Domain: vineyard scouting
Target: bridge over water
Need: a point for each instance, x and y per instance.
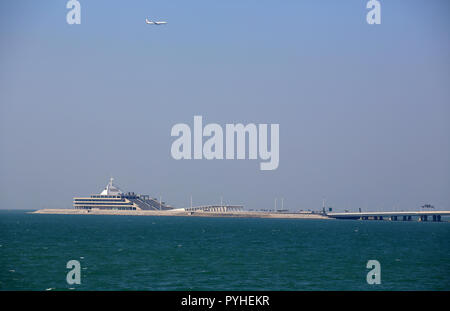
(215, 208)
(394, 216)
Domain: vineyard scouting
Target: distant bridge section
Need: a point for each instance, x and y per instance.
(215, 208)
(394, 216)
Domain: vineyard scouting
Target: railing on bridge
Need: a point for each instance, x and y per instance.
(435, 216)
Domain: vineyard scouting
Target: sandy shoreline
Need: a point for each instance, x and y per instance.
(243, 214)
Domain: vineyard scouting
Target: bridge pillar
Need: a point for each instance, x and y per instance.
(437, 218)
(404, 218)
(423, 218)
(380, 217)
(409, 218)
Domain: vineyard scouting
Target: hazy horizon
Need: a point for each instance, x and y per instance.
(363, 110)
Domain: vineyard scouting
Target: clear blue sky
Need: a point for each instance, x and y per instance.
(363, 110)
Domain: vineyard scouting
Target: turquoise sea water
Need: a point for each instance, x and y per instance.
(189, 253)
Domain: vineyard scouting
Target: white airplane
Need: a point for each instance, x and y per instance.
(154, 23)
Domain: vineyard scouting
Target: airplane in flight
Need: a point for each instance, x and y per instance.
(154, 23)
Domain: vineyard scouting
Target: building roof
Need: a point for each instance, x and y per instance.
(111, 189)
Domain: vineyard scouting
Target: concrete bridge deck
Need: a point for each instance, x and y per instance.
(404, 215)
